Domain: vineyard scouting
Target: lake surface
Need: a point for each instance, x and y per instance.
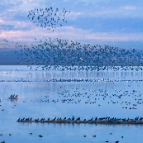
(121, 98)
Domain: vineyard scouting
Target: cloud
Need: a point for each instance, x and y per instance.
(1, 21)
(72, 33)
(88, 20)
(124, 25)
(4, 27)
(6, 4)
(16, 25)
(129, 7)
(74, 15)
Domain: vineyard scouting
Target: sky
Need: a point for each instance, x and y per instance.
(116, 23)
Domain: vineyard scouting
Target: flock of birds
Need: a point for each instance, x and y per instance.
(103, 120)
(97, 97)
(73, 80)
(91, 96)
(60, 52)
(48, 17)
(94, 96)
(69, 53)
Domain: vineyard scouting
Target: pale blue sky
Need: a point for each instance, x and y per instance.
(117, 23)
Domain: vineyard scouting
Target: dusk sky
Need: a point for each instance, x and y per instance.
(117, 23)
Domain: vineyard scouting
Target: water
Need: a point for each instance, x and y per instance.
(39, 99)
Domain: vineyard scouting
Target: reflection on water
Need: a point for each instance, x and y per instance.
(71, 133)
(26, 73)
(79, 99)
